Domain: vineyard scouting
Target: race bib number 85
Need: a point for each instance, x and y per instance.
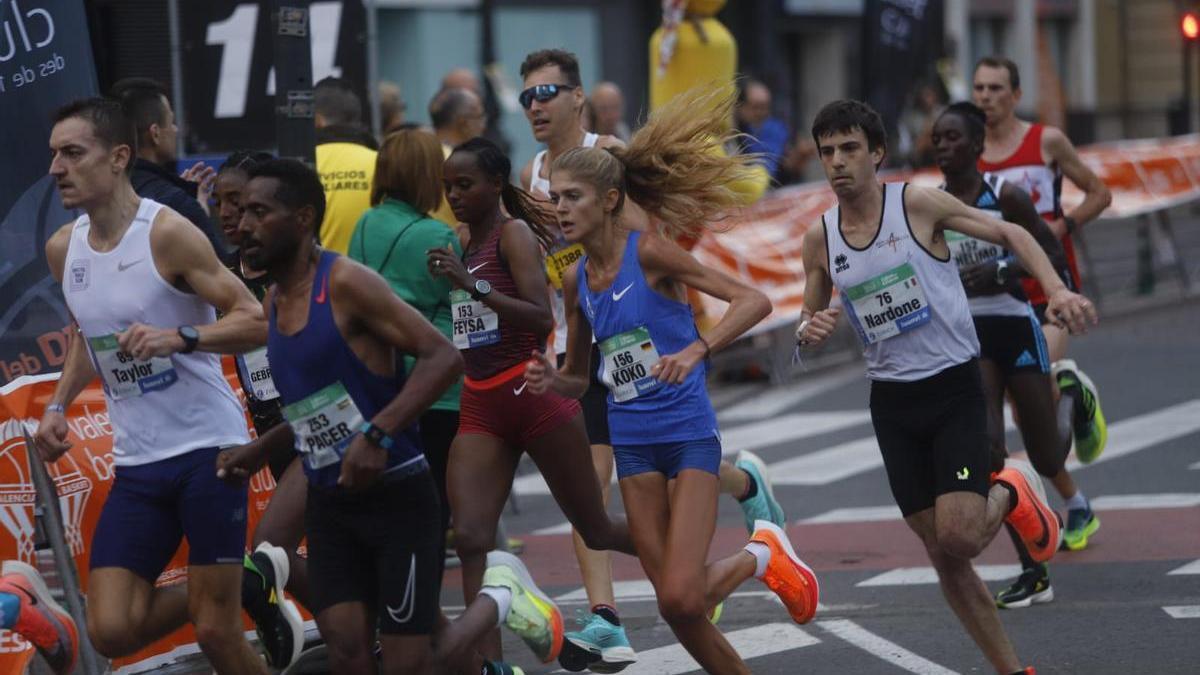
(127, 377)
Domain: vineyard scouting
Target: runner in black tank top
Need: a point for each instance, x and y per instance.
(501, 312)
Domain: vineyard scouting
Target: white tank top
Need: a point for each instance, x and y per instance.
(909, 308)
(162, 407)
(968, 251)
(541, 186)
(561, 256)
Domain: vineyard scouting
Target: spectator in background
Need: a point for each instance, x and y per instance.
(391, 107)
(392, 238)
(797, 165)
(465, 78)
(768, 136)
(608, 109)
(345, 160)
(145, 102)
(458, 116)
(916, 125)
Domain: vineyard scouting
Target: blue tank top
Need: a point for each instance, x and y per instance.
(635, 324)
(328, 393)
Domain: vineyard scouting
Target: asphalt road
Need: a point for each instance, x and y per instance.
(1129, 603)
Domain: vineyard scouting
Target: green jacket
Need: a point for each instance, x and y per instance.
(391, 239)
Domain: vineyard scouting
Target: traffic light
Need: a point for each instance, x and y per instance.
(1190, 26)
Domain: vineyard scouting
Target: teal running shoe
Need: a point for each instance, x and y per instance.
(763, 505)
(605, 645)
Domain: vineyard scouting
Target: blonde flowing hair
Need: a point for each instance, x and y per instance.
(675, 167)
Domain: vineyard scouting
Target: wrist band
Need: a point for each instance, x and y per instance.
(56, 407)
(707, 348)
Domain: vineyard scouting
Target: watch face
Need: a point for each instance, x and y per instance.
(483, 287)
(189, 333)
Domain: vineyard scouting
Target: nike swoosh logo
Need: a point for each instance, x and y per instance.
(517, 390)
(324, 287)
(471, 270)
(404, 613)
(617, 296)
(121, 267)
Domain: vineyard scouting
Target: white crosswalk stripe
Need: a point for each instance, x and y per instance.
(775, 400)
(911, 576)
(884, 649)
(750, 643)
(1183, 611)
(1190, 568)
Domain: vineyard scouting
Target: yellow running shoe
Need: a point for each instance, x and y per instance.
(533, 615)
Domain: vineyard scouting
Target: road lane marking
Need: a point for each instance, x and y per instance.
(882, 648)
(750, 643)
(1183, 611)
(1190, 568)
(775, 400)
(911, 576)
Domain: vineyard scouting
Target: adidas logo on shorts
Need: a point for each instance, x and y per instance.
(1025, 359)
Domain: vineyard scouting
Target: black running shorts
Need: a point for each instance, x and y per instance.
(594, 402)
(1015, 344)
(933, 436)
(382, 547)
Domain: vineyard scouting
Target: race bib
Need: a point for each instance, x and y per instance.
(475, 324)
(889, 304)
(256, 373)
(627, 360)
(324, 424)
(967, 250)
(127, 377)
(558, 262)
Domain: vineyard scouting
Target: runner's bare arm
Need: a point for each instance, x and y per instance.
(181, 252)
(529, 310)
(238, 463)
(608, 141)
(817, 319)
(573, 378)
(1058, 148)
(944, 211)
(663, 258)
(77, 372)
(1017, 207)
(368, 301)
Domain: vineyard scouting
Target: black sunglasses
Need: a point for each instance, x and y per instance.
(541, 92)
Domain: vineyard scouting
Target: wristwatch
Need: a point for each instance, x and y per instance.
(376, 436)
(191, 338)
(482, 288)
(1002, 273)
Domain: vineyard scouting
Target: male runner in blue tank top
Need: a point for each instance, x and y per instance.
(374, 534)
(903, 296)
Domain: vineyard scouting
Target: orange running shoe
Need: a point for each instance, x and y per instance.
(787, 575)
(37, 617)
(1036, 523)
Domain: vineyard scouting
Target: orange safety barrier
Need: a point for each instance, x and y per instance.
(83, 477)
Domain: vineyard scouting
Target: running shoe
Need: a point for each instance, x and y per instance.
(1031, 588)
(533, 615)
(715, 615)
(28, 609)
(1091, 431)
(501, 668)
(787, 575)
(1036, 523)
(763, 505)
(1081, 524)
(605, 647)
(278, 623)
